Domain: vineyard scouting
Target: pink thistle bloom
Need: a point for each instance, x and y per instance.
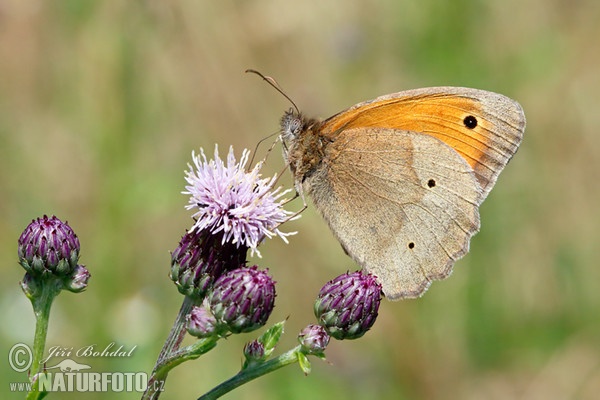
(240, 204)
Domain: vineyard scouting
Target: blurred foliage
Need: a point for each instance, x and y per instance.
(101, 104)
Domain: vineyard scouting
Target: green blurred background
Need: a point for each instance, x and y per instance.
(101, 104)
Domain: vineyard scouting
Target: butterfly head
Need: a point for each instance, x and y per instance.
(292, 124)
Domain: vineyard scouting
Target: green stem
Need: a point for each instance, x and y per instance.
(252, 372)
(42, 304)
(191, 352)
(177, 331)
(157, 381)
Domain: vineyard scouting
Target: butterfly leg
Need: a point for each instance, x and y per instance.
(268, 150)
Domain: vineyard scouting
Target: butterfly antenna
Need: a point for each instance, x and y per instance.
(275, 86)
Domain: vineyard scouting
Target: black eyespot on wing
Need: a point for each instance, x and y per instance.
(470, 122)
(431, 183)
(411, 245)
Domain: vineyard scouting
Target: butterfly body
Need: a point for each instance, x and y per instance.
(400, 178)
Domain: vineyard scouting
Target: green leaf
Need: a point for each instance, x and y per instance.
(271, 337)
(304, 363)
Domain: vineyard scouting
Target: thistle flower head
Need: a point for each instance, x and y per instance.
(48, 246)
(347, 306)
(201, 258)
(229, 200)
(242, 300)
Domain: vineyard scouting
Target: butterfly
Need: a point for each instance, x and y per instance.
(400, 178)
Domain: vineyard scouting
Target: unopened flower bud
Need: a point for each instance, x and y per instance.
(30, 286)
(200, 322)
(347, 306)
(78, 280)
(254, 351)
(48, 246)
(314, 339)
(200, 259)
(242, 299)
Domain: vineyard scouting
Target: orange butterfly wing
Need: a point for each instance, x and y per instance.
(485, 128)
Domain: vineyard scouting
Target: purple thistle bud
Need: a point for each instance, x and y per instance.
(200, 259)
(78, 280)
(347, 306)
(242, 299)
(314, 339)
(254, 351)
(200, 322)
(48, 246)
(239, 205)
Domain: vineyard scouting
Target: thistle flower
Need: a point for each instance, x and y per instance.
(242, 299)
(347, 306)
(240, 205)
(201, 258)
(314, 339)
(48, 246)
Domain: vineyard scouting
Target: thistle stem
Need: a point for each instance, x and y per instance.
(177, 332)
(157, 380)
(252, 372)
(42, 304)
(187, 353)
